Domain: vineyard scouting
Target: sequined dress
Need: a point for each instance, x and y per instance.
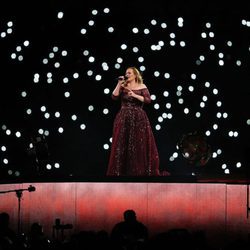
(133, 150)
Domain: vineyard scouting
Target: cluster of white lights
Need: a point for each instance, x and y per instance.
(245, 22)
(19, 49)
(8, 30)
(9, 132)
(49, 166)
(164, 107)
(5, 161)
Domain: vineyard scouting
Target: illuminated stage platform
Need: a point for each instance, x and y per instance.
(218, 209)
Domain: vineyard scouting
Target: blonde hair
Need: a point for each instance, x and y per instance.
(138, 76)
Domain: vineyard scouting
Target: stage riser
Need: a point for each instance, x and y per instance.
(218, 209)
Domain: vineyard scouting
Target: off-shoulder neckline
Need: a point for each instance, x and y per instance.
(138, 89)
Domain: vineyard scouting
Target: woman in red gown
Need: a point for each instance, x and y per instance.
(133, 151)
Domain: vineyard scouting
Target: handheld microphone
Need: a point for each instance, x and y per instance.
(31, 188)
(122, 78)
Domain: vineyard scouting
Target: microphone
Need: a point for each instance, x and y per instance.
(122, 78)
(31, 188)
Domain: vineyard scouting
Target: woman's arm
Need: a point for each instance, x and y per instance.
(145, 97)
(117, 90)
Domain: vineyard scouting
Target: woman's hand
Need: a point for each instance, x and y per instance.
(129, 91)
(121, 80)
(133, 94)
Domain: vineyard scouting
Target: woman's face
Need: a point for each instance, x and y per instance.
(130, 75)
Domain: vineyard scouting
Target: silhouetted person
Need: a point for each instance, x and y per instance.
(37, 239)
(129, 234)
(8, 238)
(173, 239)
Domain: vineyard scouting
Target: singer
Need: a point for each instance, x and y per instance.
(133, 150)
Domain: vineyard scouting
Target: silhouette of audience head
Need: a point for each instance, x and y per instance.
(36, 229)
(8, 239)
(129, 234)
(129, 215)
(4, 220)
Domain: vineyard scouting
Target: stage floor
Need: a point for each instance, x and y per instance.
(230, 179)
(220, 210)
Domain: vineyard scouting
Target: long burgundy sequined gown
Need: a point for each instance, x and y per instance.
(133, 151)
